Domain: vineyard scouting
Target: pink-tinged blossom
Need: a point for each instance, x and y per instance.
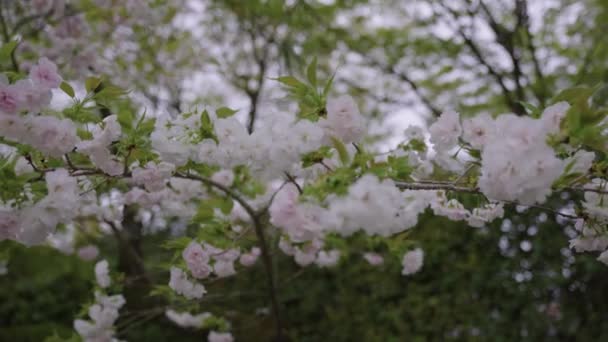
(102, 274)
(603, 257)
(553, 115)
(12, 127)
(307, 254)
(304, 258)
(283, 207)
(197, 260)
(9, 224)
(478, 130)
(224, 262)
(373, 259)
(42, 6)
(215, 336)
(328, 258)
(412, 261)
(286, 247)
(52, 136)
(103, 314)
(180, 283)
(88, 253)
(446, 131)
(10, 97)
(59, 206)
(34, 99)
(249, 259)
(301, 221)
(44, 74)
(451, 209)
(153, 176)
(223, 177)
(186, 319)
(343, 120)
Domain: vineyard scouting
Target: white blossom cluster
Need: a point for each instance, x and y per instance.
(33, 223)
(50, 135)
(412, 261)
(517, 163)
(309, 253)
(102, 274)
(269, 151)
(455, 211)
(103, 313)
(97, 149)
(206, 260)
(592, 235)
(216, 336)
(180, 283)
(377, 207)
(186, 319)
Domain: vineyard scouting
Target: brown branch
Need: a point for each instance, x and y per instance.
(259, 231)
(254, 94)
(451, 187)
(292, 180)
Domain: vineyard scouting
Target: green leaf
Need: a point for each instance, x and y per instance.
(600, 97)
(6, 50)
(84, 134)
(67, 88)
(204, 213)
(311, 72)
(342, 152)
(125, 119)
(328, 85)
(225, 112)
(177, 243)
(574, 95)
(110, 92)
(92, 83)
(317, 156)
(207, 130)
(531, 109)
(291, 81)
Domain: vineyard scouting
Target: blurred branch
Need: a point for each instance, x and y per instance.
(7, 37)
(498, 77)
(390, 69)
(506, 39)
(254, 94)
(541, 91)
(455, 188)
(26, 20)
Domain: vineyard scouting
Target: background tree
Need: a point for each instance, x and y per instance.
(514, 280)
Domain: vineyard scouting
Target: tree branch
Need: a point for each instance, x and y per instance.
(405, 78)
(7, 37)
(259, 231)
(541, 91)
(451, 187)
(498, 77)
(506, 39)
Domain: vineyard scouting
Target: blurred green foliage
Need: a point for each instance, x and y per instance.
(476, 284)
(499, 284)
